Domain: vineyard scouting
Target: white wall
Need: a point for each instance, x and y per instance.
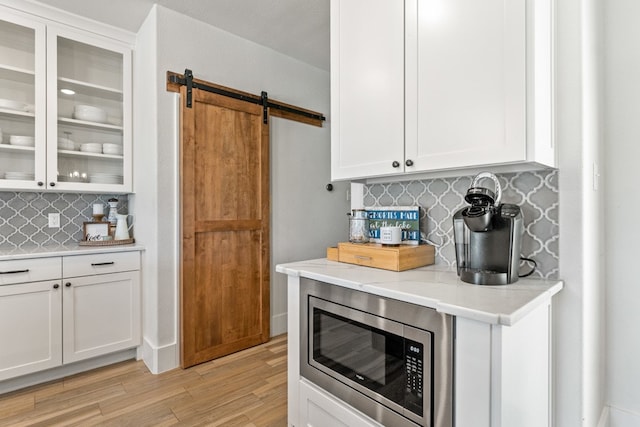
(304, 214)
(622, 137)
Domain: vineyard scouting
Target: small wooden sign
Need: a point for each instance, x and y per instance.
(405, 217)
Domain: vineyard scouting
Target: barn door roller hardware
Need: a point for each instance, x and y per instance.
(270, 107)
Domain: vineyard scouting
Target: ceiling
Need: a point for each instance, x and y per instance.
(297, 28)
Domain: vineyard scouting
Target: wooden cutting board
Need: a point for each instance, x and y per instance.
(395, 258)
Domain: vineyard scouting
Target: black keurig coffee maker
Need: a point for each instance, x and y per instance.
(488, 236)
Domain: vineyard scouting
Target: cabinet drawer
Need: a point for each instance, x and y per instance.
(30, 270)
(86, 265)
(395, 258)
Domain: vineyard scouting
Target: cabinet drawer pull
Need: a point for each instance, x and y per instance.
(68, 284)
(96, 264)
(56, 286)
(362, 257)
(14, 271)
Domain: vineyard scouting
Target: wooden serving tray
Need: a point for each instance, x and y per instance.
(106, 242)
(395, 258)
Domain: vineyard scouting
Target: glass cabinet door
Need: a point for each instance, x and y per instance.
(22, 102)
(89, 111)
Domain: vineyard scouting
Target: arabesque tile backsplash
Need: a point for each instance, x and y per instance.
(535, 192)
(24, 217)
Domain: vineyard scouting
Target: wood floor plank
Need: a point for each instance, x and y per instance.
(246, 389)
(77, 416)
(17, 403)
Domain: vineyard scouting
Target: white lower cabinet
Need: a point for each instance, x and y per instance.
(30, 327)
(318, 408)
(503, 373)
(89, 307)
(101, 315)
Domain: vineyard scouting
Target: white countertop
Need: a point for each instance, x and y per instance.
(60, 250)
(435, 288)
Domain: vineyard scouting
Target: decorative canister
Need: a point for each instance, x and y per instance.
(358, 226)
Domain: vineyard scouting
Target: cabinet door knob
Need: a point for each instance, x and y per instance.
(56, 286)
(52, 184)
(68, 284)
(40, 183)
(395, 164)
(409, 162)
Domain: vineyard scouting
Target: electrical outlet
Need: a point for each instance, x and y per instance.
(54, 220)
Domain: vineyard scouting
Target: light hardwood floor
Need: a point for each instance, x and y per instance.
(248, 388)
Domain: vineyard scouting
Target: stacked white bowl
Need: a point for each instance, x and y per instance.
(105, 178)
(21, 140)
(19, 176)
(13, 105)
(67, 144)
(115, 149)
(89, 113)
(0, 136)
(91, 147)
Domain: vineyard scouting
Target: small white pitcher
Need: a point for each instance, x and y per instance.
(122, 230)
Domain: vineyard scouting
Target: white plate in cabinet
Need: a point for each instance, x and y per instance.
(30, 270)
(104, 263)
(30, 327)
(101, 315)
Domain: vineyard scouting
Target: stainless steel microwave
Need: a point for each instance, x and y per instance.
(389, 359)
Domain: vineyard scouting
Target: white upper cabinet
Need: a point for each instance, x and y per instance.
(65, 107)
(474, 88)
(367, 87)
(22, 101)
(89, 105)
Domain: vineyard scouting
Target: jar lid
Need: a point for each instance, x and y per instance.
(359, 213)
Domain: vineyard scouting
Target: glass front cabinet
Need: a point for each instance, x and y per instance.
(65, 108)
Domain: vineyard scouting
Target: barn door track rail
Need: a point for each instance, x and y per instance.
(269, 107)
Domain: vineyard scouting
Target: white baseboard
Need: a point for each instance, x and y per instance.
(65, 370)
(278, 324)
(622, 418)
(160, 359)
(166, 358)
(604, 417)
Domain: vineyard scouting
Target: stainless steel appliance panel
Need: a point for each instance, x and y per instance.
(390, 359)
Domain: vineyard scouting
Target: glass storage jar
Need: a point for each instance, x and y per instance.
(358, 226)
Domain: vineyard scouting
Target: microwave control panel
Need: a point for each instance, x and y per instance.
(414, 359)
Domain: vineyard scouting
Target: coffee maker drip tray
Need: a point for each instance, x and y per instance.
(483, 277)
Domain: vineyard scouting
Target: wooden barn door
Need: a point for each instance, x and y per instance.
(225, 227)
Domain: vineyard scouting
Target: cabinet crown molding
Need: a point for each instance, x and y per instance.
(51, 14)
